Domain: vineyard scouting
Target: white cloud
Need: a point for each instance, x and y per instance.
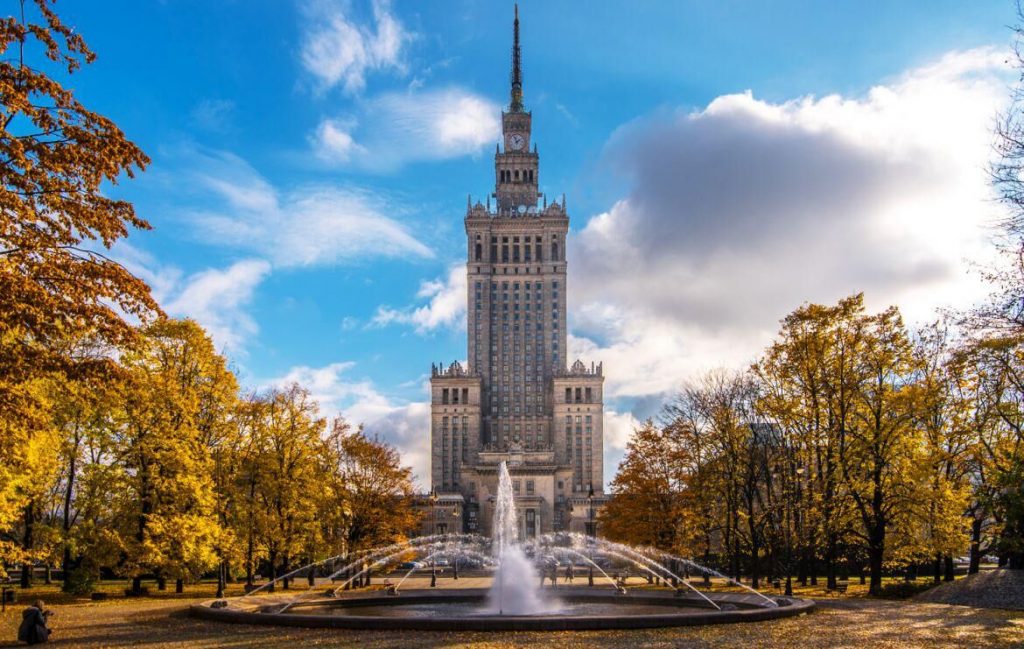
(306, 226)
(446, 307)
(618, 429)
(217, 299)
(403, 425)
(397, 128)
(338, 51)
(333, 143)
(740, 212)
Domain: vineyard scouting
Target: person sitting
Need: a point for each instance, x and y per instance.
(34, 629)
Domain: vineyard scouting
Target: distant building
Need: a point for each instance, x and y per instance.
(515, 400)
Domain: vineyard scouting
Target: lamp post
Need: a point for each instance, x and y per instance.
(433, 506)
(455, 568)
(591, 532)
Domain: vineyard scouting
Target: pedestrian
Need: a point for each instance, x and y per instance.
(569, 573)
(34, 629)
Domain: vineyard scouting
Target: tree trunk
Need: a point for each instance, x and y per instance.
(830, 562)
(69, 491)
(27, 542)
(179, 585)
(248, 561)
(937, 565)
(284, 570)
(273, 570)
(137, 584)
(975, 565)
(950, 569)
(875, 568)
(161, 582)
(221, 579)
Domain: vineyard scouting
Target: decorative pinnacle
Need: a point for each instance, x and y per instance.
(517, 74)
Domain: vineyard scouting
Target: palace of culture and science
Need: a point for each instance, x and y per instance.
(516, 400)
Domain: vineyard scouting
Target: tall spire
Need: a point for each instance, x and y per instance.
(517, 74)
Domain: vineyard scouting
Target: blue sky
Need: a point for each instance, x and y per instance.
(723, 163)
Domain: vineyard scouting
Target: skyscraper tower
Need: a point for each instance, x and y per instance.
(516, 400)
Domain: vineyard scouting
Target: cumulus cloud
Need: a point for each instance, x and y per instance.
(740, 212)
(306, 226)
(337, 50)
(333, 143)
(403, 425)
(218, 300)
(446, 306)
(618, 429)
(397, 128)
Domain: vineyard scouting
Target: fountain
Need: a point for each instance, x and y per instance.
(513, 600)
(513, 590)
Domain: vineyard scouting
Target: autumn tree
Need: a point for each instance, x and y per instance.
(998, 325)
(165, 493)
(805, 379)
(55, 283)
(375, 489)
(648, 505)
(290, 485)
(943, 413)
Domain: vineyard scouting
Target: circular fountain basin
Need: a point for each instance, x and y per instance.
(451, 610)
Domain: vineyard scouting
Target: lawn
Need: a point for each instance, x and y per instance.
(855, 622)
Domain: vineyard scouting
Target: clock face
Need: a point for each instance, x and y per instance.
(517, 142)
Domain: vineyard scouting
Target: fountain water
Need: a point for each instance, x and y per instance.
(513, 601)
(513, 591)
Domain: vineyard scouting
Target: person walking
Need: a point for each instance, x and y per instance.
(34, 619)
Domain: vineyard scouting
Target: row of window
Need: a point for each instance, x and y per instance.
(515, 252)
(579, 395)
(452, 396)
(513, 175)
(529, 490)
(515, 285)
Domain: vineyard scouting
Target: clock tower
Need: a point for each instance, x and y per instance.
(516, 169)
(517, 399)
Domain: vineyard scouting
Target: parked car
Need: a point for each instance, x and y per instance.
(410, 565)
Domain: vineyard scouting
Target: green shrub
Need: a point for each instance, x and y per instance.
(905, 589)
(81, 580)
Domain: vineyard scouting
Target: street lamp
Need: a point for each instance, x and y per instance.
(455, 569)
(591, 532)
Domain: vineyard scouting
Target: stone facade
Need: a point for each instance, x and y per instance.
(515, 400)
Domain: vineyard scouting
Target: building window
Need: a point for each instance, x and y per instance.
(529, 488)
